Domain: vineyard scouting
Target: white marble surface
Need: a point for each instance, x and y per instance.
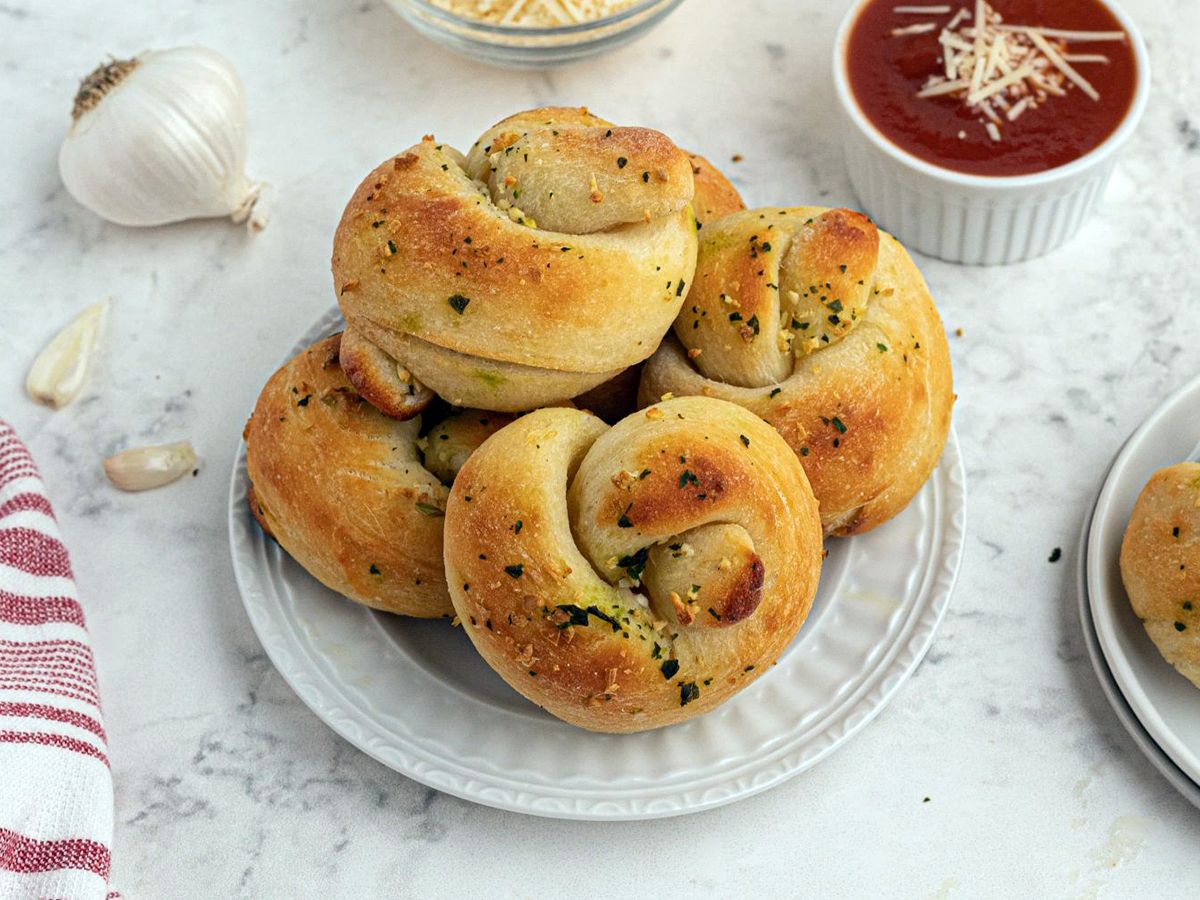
(227, 786)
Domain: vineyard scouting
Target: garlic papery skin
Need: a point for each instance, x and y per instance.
(60, 370)
(161, 138)
(150, 467)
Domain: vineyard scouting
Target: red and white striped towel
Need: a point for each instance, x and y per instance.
(56, 790)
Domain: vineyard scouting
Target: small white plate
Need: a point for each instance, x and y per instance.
(417, 697)
(1166, 703)
(1141, 737)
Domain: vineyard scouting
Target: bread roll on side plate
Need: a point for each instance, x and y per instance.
(1160, 565)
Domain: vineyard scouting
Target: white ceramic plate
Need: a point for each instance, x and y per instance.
(416, 696)
(1141, 737)
(1166, 703)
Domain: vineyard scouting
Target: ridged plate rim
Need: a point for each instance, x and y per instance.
(883, 667)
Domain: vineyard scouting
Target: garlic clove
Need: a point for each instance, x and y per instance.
(58, 374)
(151, 467)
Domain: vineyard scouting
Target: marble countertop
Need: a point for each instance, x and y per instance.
(998, 771)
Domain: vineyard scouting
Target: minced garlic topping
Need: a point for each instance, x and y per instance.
(534, 13)
(998, 70)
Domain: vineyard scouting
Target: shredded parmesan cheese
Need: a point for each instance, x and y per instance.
(923, 28)
(1015, 111)
(534, 13)
(1061, 35)
(989, 65)
(1062, 65)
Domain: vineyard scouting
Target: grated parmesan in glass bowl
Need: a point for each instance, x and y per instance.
(533, 33)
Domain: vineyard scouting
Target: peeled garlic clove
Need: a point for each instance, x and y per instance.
(57, 375)
(150, 467)
(161, 138)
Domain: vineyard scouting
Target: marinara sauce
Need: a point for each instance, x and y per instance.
(886, 72)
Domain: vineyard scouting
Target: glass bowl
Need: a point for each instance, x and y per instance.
(529, 48)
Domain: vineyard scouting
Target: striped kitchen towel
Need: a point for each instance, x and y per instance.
(56, 790)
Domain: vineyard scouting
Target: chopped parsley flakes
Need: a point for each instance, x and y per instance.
(635, 564)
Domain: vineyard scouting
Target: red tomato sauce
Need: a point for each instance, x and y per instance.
(886, 72)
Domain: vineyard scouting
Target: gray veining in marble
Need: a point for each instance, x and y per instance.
(998, 771)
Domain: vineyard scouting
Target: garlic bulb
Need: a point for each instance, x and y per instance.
(161, 138)
(58, 373)
(150, 467)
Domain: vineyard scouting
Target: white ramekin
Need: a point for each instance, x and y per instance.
(976, 219)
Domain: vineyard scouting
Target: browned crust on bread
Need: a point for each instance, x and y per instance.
(868, 406)
(376, 376)
(525, 553)
(745, 596)
(421, 253)
(257, 511)
(341, 488)
(715, 194)
(1160, 565)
